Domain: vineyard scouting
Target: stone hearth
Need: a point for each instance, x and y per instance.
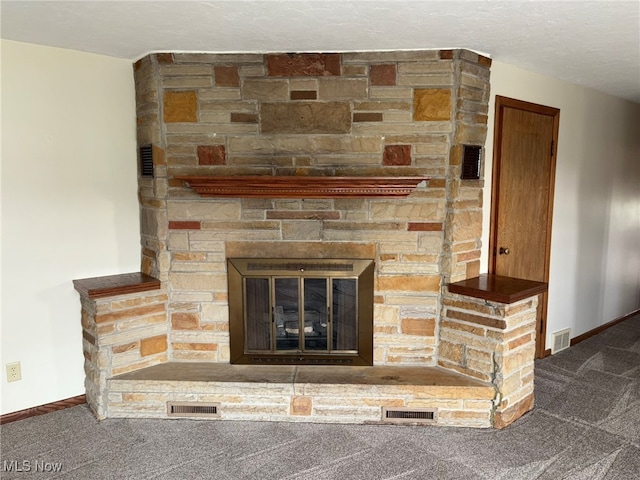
(129, 373)
(207, 119)
(319, 394)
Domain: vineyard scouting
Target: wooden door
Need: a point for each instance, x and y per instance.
(522, 195)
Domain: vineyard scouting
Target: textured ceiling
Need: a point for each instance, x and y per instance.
(595, 44)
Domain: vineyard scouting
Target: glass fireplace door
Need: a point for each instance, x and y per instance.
(301, 314)
(316, 314)
(258, 314)
(301, 311)
(345, 314)
(286, 313)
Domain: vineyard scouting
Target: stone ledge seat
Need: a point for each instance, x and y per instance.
(323, 394)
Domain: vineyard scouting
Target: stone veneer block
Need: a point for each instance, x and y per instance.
(471, 134)
(485, 61)
(301, 405)
(169, 71)
(180, 107)
(185, 321)
(431, 104)
(265, 90)
(303, 95)
(305, 117)
(406, 210)
(226, 76)
(240, 117)
(466, 224)
(473, 269)
(208, 347)
(382, 75)
(446, 54)
(424, 226)
(211, 155)
(397, 155)
(303, 64)
(302, 215)
(409, 283)
(185, 225)
(509, 415)
(418, 326)
(338, 88)
(118, 315)
(165, 58)
(152, 345)
(367, 117)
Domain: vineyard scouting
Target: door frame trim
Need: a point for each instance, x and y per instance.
(506, 102)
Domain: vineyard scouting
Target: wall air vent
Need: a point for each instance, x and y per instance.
(146, 160)
(471, 156)
(560, 340)
(193, 409)
(422, 416)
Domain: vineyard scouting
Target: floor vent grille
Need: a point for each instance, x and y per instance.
(410, 415)
(560, 340)
(193, 409)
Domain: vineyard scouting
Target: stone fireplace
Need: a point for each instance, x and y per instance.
(256, 159)
(364, 115)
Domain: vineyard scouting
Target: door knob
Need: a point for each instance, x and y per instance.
(504, 251)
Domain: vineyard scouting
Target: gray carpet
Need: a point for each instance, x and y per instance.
(586, 425)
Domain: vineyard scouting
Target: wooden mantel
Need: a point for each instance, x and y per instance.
(268, 186)
(497, 288)
(112, 285)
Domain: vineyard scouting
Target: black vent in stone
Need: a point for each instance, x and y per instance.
(193, 409)
(146, 161)
(471, 155)
(409, 415)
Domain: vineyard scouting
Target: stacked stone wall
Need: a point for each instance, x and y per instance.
(462, 406)
(493, 342)
(362, 114)
(120, 334)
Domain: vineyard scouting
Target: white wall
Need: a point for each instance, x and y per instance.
(69, 207)
(595, 244)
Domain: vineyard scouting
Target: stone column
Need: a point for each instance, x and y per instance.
(493, 342)
(463, 210)
(152, 191)
(121, 333)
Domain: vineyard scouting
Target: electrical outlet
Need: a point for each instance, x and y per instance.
(14, 373)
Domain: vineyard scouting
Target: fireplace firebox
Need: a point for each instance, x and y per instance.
(298, 311)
